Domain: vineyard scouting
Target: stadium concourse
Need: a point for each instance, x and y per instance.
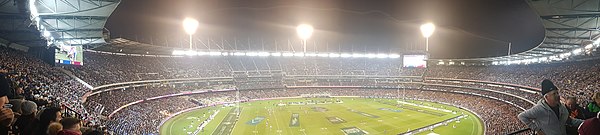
(496, 93)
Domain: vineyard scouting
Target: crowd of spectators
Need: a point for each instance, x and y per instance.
(35, 90)
(578, 79)
(102, 69)
(259, 77)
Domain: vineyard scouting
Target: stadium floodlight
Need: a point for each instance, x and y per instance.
(323, 55)
(288, 54)
(304, 31)
(357, 55)
(334, 55)
(381, 55)
(239, 54)
(263, 54)
(370, 55)
(299, 54)
(345, 55)
(47, 34)
(225, 53)
(427, 30)
(577, 51)
(202, 53)
(590, 46)
(311, 54)
(251, 54)
(214, 53)
(394, 56)
(191, 53)
(190, 25)
(276, 54)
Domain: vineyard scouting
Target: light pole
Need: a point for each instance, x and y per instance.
(190, 25)
(304, 32)
(427, 30)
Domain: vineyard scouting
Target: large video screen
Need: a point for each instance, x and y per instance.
(414, 61)
(65, 54)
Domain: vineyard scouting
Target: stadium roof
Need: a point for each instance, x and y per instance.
(67, 22)
(72, 22)
(571, 28)
(15, 21)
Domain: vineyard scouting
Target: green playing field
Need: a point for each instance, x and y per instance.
(323, 116)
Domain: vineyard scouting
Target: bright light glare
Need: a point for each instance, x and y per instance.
(190, 25)
(276, 54)
(214, 53)
(239, 54)
(311, 54)
(287, 54)
(299, 54)
(304, 31)
(577, 51)
(264, 54)
(427, 29)
(47, 34)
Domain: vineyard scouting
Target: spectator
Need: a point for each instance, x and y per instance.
(54, 128)
(590, 126)
(6, 114)
(548, 116)
(71, 126)
(594, 107)
(49, 115)
(575, 112)
(26, 123)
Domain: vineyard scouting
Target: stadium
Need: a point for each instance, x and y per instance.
(298, 68)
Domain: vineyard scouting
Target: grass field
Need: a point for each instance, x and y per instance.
(352, 116)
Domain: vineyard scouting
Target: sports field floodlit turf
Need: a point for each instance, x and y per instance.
(324, 116)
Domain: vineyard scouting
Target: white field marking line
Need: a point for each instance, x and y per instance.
(173, 123)
(391, 124)
(238, 119)
(201, 126)
(398, 128)
(219, 123)
(276, 121)
(344, 124)
(472, 120)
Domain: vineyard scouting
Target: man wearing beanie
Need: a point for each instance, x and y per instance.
(548, 116)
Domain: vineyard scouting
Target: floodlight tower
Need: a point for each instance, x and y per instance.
(427, 30)
(190, 25)
(304, 32)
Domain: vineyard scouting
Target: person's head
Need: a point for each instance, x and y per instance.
(550, 93)
(571, 102)
(596, 97)
(71, 123)
(28, 108)
(54, 128)
(4, 90)
(49, 115)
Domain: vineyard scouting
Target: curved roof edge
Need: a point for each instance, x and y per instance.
(72, 22)
(571, 28)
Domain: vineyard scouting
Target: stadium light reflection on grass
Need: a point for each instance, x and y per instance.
(284, 54)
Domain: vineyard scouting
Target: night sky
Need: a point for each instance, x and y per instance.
(465, 28)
